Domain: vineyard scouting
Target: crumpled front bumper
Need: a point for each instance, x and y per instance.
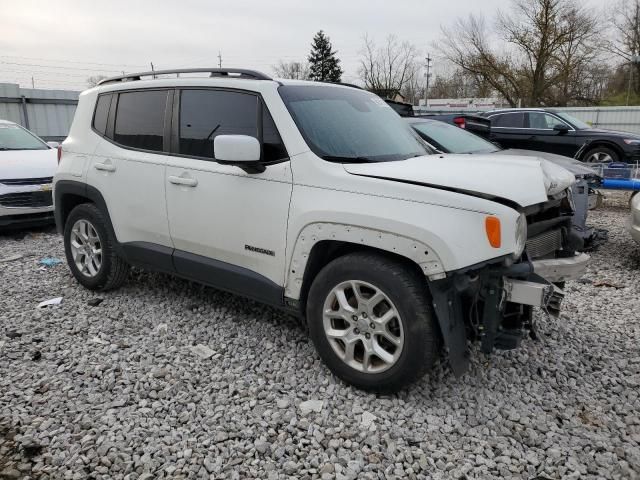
(539, 290)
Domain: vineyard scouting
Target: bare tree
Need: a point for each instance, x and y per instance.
(546, 44)
(94, 80)
(625, 43)
(390, 68)
(459, 84)
(625, 21)
(292, 70)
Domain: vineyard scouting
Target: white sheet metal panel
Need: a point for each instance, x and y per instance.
(626, 119)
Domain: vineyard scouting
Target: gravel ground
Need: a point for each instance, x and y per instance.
(167, 379)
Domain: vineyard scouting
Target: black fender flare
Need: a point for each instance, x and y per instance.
(65, 188)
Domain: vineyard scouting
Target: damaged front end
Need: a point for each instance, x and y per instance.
(493, 302)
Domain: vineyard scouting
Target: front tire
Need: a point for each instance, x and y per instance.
(372, 323)
(90, 250)
(601, 155)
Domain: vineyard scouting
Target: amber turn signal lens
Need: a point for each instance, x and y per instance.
(492, 226)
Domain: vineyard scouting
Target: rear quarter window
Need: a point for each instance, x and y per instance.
(140, 119)
(508, 120)
(101, 114)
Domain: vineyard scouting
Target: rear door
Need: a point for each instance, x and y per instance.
(228, 226)
(508, 129)
(543, 137)
(129, 163)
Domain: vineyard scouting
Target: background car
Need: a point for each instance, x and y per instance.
(468, 121)
(450, 139)
(27, 166)
(553, 131)
(634, 222)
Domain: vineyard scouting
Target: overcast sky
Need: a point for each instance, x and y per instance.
(61, 43)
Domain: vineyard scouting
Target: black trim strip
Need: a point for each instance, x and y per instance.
(471, 193)
(228, 277)
(149, 255)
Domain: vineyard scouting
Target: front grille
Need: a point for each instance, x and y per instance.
(27, 199)
(27, 181)
(544, 244)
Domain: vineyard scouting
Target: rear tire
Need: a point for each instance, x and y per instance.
(373, 288)
(90, 250)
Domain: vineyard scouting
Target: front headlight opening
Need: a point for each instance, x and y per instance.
(521, 234)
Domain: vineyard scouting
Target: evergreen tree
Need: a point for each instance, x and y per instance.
(324, 66)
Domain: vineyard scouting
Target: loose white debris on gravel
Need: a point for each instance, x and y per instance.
(140, 404)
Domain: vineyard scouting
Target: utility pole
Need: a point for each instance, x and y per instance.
(219, 59)
(33, 84)
(153, 69)
(426, 88)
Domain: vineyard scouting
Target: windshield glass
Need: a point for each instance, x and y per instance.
(452, 139)
(13, 137)
(579, 124)
(350, 125)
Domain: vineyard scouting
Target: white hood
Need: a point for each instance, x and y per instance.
(16, 164)
(523, 180)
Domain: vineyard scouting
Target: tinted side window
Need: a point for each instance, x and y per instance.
(508, 120)
(272, 146)
(101, 113)
(140, 119)
(543, 121)
(205, 114)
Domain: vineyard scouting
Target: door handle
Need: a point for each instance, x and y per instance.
(185, 181)
(105, 167)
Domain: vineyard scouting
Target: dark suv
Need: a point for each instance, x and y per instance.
(549, 130)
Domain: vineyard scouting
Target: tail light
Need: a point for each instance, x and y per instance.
(59, 153)
(459, 121)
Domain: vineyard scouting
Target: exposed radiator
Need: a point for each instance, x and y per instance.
(544, 244)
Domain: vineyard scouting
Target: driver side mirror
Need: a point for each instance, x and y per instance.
(240, 150)
(560, 128)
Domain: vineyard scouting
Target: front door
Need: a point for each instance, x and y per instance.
(228, 226)
(543, 137)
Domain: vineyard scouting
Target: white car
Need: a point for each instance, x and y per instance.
(27, 166)
(634, 221)
(320, 200)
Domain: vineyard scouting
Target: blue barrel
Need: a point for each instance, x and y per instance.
(621, 184)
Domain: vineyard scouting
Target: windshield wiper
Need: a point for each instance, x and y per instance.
(336, 158)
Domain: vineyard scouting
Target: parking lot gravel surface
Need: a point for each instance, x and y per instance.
(167, 379)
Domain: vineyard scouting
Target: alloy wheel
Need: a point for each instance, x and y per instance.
(599, 157)
(86, 248)
(363, 326)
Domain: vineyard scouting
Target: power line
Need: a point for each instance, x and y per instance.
(57, 66)
(71, 61)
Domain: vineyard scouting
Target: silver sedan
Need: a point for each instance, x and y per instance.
(634, 222)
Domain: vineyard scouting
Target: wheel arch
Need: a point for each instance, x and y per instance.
(68, 194)
(319, 243)
(606, 144)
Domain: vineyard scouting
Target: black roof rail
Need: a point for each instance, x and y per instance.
(214, 72)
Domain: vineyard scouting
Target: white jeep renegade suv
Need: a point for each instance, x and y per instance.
(318, 199)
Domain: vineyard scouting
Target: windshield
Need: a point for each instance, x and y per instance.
(13, 137)
(350, 125)
(452, 139)
(579, 124)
